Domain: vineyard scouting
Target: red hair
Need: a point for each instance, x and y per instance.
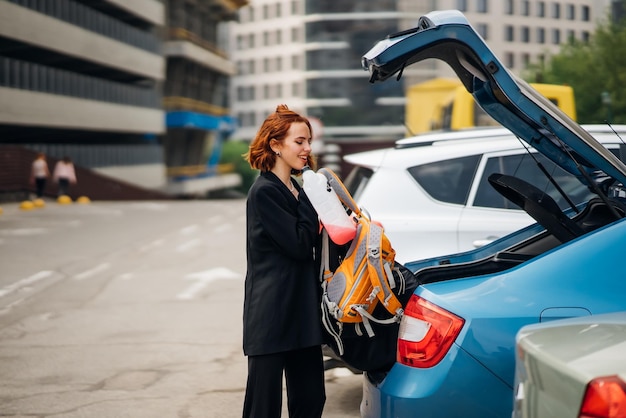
(260, 155)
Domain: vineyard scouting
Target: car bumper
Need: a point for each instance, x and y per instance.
(457, 386)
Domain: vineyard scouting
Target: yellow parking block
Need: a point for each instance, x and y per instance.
(64, 200)
(39, 203)
(27, 205)
(83, 200)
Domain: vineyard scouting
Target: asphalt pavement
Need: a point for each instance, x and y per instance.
(129, 309)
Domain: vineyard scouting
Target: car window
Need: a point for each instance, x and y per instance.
(449, 180)
(357, 180)
(524, 166)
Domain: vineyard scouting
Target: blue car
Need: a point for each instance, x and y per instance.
(456, 344)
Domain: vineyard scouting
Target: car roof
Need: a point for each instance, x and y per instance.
(436, 146)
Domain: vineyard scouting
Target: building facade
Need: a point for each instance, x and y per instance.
(306, 53)
(133, 90)
(84, 79)
(195, 98)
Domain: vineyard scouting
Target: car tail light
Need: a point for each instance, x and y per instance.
(605, 398)
(426, 333)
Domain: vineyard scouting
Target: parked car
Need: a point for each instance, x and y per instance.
(572, 368)
(456, 343)
(447, 204)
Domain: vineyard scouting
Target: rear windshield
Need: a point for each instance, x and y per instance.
(357, 180)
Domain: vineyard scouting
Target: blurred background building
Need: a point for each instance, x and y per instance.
(134, 91)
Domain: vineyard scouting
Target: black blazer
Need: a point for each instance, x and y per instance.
(281, 309)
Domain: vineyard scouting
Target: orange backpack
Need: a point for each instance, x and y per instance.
(365, 277)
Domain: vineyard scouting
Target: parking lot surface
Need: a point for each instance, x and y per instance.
(129, 309)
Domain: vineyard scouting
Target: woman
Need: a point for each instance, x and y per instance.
(64, 174)
(39, 173)
(282, 328)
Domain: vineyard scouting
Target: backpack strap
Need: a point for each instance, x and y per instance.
(379, 270)
(340, 189)
(329, 308)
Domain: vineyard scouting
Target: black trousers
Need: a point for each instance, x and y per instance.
(40, 183)
(304, 377)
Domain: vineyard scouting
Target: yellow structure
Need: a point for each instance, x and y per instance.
(83, 200)
(64, 200)
(443, 103)
(39, 203)
(27, 205)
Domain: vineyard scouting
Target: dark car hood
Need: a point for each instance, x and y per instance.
(448, 36)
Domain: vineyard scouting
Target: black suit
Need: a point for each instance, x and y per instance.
(282, 300)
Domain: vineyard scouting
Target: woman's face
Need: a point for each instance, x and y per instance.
(296, 146)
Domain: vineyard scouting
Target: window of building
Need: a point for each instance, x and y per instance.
(279, 37)
(509, 60)
(585, 35)
(295, 7)
(525, 34)
(295, 35)
(509, 7)
(240, 42)
(556, 36)
(541, 9)
(251, 67)
(295, 89)
(571, 35)
(509, 33)
(279, 91)
(461, 5)
(541, 36)
(525, 59)
(279, 10)
(266, 91)
(556, 10)
(585, 14)
(482, 6)
(266, 38)
(570, 12)
(525, 8)
(266, 65)
(251, 40)
(279, 64)
(295, 62)
(266, 11)
(483, 30)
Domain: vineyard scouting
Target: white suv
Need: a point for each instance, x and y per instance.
(431, 192)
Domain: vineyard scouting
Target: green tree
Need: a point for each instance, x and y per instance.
(592, 68)
(232, 153)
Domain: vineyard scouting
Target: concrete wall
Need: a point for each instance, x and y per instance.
(37, 29)
(149, 176)
(22, 107)
(150, 10)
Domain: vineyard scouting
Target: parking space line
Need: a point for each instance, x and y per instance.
(188, 245)
(91, 272)
(21, 284)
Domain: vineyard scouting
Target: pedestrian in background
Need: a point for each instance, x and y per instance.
(39, 173)
(64, 174)
(282, 330)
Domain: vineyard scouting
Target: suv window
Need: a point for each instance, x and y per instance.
(449, 180)
(524, 166)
